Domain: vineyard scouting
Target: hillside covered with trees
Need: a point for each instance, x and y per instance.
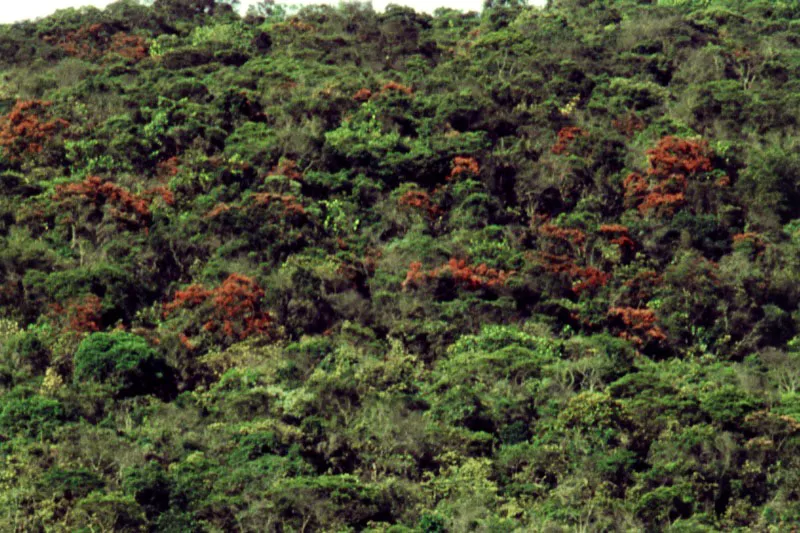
(329, 269)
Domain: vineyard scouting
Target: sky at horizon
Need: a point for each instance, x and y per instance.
(20, 10)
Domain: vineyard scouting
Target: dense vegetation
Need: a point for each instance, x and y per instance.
(330, 269)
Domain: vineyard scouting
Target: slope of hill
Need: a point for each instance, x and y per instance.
(334, 270)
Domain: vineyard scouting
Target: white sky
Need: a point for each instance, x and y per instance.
(15, 10)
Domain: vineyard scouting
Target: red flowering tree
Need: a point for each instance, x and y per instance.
(463, 167)
(628, 125)
(566, 136)
(673, 162)
(750, 242)
(78, 315)
(362, 95)
(27, 127)
(636, 325)
(124, 206)
(420, 200)
(95, 41)
(465, 276)
(287, 168)
(232, 311)
(291, 205)
(393, 86)
(619, 235)
(562, 252)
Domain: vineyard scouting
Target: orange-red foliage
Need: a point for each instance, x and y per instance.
(236, 307)
(672, 162)
(662, 202)
(640, 288)
(640, 324)
(78, 315)
(295, 24)
(679, 156)
(97, 40)
(573, 236)
(618, 235)
(464, 166)
(191, 296)
(163, 192)
(396, 87)
(130, 46)
(583, 278)
(629, 124)
(362, 95)
(237, 303)
(218, 210)
(753, 239)
(185, 342)
(289, 201)
(125, 205)
(466, 276)
(613, 229)
(25, 128)
(589, 279)
(288, 168)
(566, 135)
(84, 316)
(420, 200)
(167, 167)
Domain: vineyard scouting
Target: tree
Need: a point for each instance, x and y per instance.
(124, 361)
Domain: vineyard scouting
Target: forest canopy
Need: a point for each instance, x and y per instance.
(332, 269)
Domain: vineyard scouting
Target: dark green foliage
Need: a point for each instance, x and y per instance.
(125, 361)
(34, 417)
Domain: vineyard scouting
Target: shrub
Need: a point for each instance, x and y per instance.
(34, 417)
(125, 361)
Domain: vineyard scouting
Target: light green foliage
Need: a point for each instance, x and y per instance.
(223, 36)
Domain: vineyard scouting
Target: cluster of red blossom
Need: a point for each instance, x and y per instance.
(566, 135)
(290, 204)
(754, 240)
(639, 325)
(672, 162)
(618, 235)
(126, 206)
(294, 24)
(562, 246)
(236, 307)
(629, 124)
(25, 129)
(163, 192)
(420, 200)
(97, 40)
(573, 236)
(79, 315)
(396, 87)
(640, 288)
(583, 278)
(364, 94)
(168, 167)
(288, 168)
(466, 276)
(463, 166)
